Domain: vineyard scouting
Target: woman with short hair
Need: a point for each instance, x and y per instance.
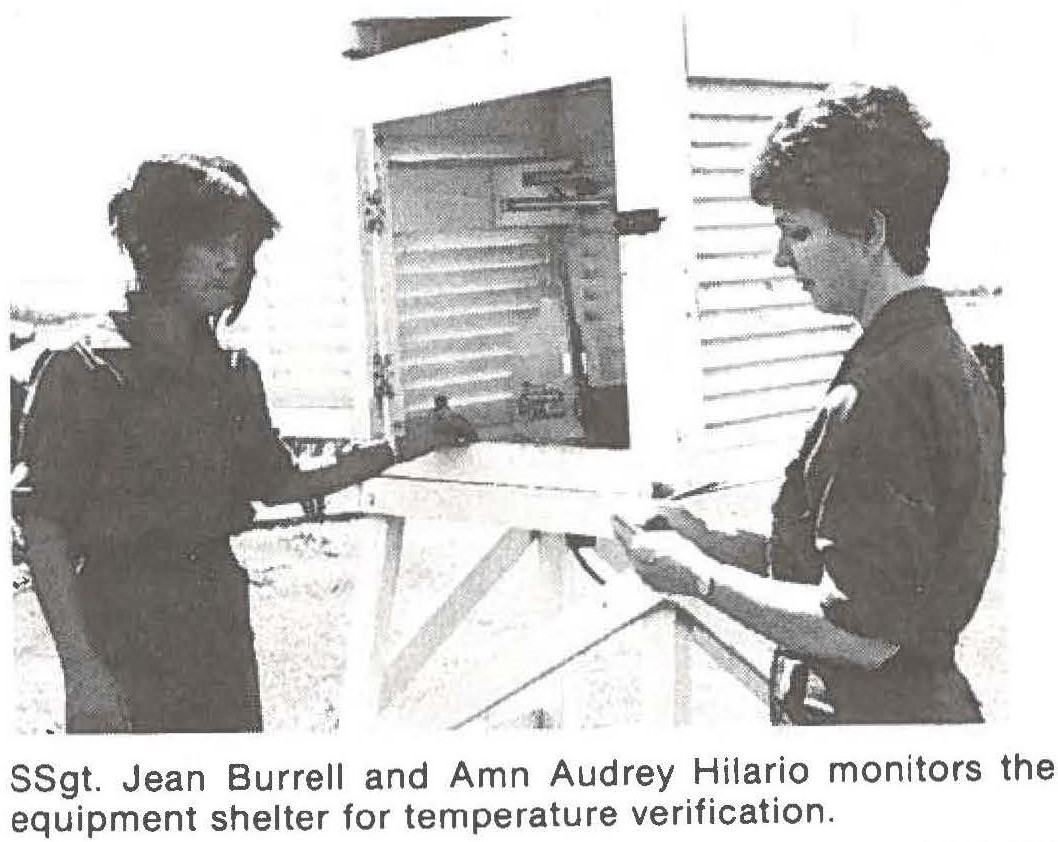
(886, 527)
(143, 462)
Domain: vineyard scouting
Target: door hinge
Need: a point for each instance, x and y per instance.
(382, 376)
(374, 211)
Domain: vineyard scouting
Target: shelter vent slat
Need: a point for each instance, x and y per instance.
(463, 298)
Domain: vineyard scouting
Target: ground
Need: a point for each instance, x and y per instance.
(303, 580)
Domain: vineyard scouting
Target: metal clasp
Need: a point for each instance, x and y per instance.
(374, 211)
(382, 376)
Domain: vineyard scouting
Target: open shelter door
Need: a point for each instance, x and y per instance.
(496, 274)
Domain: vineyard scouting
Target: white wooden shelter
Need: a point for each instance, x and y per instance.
(496, 169)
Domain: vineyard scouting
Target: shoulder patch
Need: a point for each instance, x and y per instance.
(95, 362)
(76, 353)
(840, 401)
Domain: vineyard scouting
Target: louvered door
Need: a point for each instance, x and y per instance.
(462, 303)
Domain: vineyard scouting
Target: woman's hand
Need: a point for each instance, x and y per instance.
(362, 463)
(745, 550)
(95, 702)
(445, 428)
(450, 429)
(667, 562)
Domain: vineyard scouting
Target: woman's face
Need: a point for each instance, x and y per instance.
(209, 273)
(828, 264)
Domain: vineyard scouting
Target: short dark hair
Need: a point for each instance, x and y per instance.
(854, 152)
(175, 201)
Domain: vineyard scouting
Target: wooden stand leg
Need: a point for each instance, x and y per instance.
(667, 695)
(369, 633)
(451, 612)
(560, 703)
(387, 589)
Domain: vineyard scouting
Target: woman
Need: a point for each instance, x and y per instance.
(885, 529)
(143, 462)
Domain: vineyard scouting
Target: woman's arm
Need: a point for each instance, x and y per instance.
(745, 550)
(94, 701)
(788, 613)
(276, 479)
(791, 614)
(349, 468)
(445, 429)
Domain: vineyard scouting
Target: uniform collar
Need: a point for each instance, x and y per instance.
(137, 325)
(916, 309)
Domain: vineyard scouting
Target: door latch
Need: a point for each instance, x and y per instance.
(640, 221)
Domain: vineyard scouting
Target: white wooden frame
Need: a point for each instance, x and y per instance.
(485, 483)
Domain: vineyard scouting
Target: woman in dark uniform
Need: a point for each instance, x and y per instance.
(143, 462)
(886, 527)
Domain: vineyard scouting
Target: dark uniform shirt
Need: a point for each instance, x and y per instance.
(125, 450)
(895, 497)
(147, 459)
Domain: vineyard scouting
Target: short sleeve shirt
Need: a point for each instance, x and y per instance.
(895, 492)
(125, 454)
